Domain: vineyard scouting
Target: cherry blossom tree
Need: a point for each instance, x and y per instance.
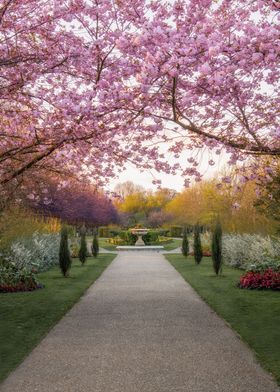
(61, 93)
(86, 86)
(212, 70)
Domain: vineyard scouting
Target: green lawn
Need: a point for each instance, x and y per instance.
(255, 315)
(27, 317)
(105, 245)
(175, 243)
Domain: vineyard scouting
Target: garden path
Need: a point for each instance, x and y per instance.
(140, 328)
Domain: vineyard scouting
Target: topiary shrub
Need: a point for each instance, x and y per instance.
(185, 243)
(197, 248)
(152, 237)
(64, 253)
(128, 237)
(176, 231)
(217, 248)
(83, 249)
(95, 246)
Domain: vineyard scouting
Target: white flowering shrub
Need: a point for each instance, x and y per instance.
(40, 252)
(245, 250)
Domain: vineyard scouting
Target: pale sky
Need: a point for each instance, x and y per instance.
(169, 181)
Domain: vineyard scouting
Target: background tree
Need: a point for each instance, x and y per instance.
(268, 194)
(64, 253)
(234, 203)
(217, 248)
(197, 248)
(124, 189)
(72, 201)
(83, 248)
(185, 243)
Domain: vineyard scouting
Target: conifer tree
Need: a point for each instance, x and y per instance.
(197, 248)
(185, 243)
(83, 248)
(64, 253)
(95, 245)
(217, 248)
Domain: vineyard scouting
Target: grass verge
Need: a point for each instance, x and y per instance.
(27, 317)
(174, 244)
(254, 314)
(106, 245)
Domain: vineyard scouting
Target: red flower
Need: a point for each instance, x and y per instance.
(267, 279)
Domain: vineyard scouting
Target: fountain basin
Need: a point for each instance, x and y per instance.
(155, 248)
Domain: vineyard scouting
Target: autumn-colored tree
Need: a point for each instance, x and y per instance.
(233, 203)
(268, 194)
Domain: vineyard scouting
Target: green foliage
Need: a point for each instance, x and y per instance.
(83, 249)
(74, 247)
(108, 232)
(95, 245)
(17, 223)
(13, 279)
(151, 237)
(176, 231)
(274, 265)
(128, 237)
(268, 201)
(185, 243)
(197, 248)
(217, 248)
(64, 253)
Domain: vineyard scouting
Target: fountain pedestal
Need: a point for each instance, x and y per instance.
(139, 233)
(140, 241)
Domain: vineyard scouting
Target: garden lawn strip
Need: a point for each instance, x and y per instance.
(172, 245)
(26, 317)
(254, 314)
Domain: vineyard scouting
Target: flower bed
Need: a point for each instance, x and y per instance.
(20, 287)
(14, 280)
(264, 280)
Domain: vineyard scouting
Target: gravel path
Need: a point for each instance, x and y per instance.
(140, 328)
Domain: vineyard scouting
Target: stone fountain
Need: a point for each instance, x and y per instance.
(139, 233)
(140, 244)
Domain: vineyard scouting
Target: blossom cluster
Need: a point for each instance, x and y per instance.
(88, 86)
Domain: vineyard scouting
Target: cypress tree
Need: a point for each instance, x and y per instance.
(197, 248)
(95, 246)
(64, 253)
(83, 248)
(217, 248)
(185, 243)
